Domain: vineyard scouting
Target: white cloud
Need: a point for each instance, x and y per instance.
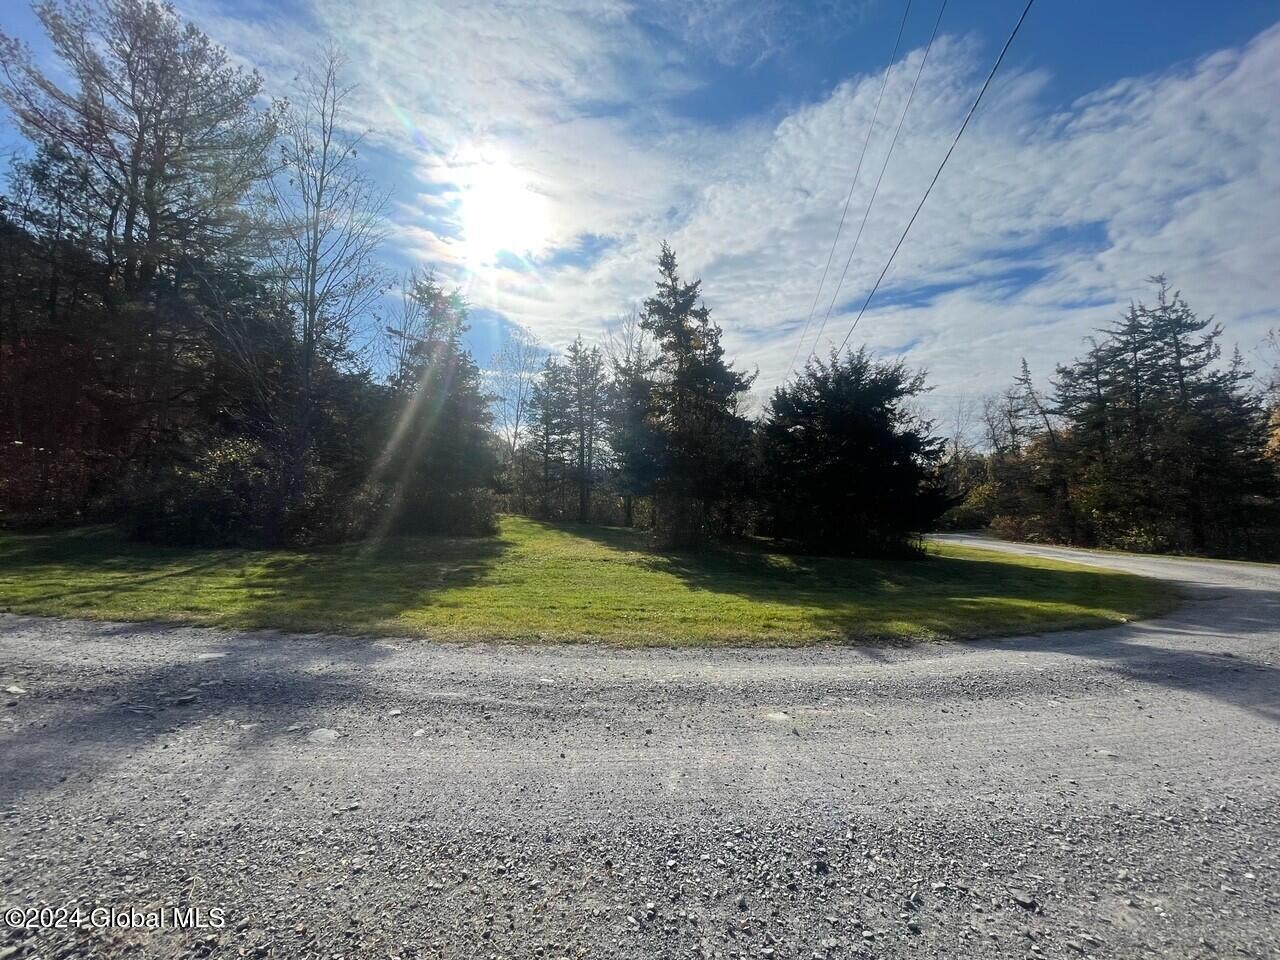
(1177, 172)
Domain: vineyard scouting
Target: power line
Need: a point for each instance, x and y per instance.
(857, 170)
(969, 116)
(883, 167)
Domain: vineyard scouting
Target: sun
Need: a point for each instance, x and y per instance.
(500, 211)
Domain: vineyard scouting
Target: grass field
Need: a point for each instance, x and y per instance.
(538, 582)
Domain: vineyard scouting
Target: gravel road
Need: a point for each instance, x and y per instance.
(1111, 793)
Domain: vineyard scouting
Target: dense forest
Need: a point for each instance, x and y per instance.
(190, 271)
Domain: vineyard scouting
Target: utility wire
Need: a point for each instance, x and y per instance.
(969, 116)
(857, 170)
(883, 167)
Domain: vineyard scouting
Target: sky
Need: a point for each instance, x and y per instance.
(537, 153)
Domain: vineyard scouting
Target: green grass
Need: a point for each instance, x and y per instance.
(539, 582)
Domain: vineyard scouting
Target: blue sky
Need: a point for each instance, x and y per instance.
(537, 153)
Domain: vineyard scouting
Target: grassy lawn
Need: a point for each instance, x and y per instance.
(539, 582)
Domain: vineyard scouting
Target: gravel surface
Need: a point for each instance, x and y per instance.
(1107, 793)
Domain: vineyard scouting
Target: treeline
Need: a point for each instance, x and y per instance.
(1149, 441)
(651, 429)
(186, 273)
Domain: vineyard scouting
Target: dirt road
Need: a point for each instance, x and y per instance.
(1109, 793)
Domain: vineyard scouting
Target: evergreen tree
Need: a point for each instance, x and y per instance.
(849, 467)
(701, 439)
(584, 367)
(169, 126)
(550, 434)
(151, 146)
(440, 455)
(1151, 443)
(630, 409)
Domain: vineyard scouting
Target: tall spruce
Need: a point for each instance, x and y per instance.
(550, 435)
(701, 438)
(584, 367)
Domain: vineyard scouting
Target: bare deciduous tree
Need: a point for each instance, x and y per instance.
(330, 219)
(627, 343)
(961, 426)
(407, 326)
(1273, 395)
(515, 368)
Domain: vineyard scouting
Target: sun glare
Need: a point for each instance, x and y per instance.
(500, 211)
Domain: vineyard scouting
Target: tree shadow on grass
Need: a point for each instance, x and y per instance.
(943, 597)
(349, 586)
(1000, 599)
(364, 586)
(133, 574)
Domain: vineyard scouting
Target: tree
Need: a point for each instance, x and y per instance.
(551, 431)
(438, 456)
(963, 467)
(1273, 397)
(849, 467)
(167, 129)
(142, 216)
(178, 321)
(631, 363)
(329, 229)
(516, 366)
(54, 338)
(408, 325)
(701, 440)
(586, 415)
(1151, 442)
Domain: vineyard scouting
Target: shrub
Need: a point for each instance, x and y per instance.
(228, 494)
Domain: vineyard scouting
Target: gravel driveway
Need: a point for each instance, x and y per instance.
(1108, 793)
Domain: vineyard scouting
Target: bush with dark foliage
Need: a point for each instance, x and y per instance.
(848, 466)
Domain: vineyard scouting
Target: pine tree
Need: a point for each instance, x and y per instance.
(584, 367)
(701, 438)
(550, 433)
(849, 467)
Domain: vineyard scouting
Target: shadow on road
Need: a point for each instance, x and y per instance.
(1223, 643)
(1196, 649)
(259, 682)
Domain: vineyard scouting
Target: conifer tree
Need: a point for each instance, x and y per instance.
(550, 433)
(849, 467)
(586, 410)
(701, 438)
